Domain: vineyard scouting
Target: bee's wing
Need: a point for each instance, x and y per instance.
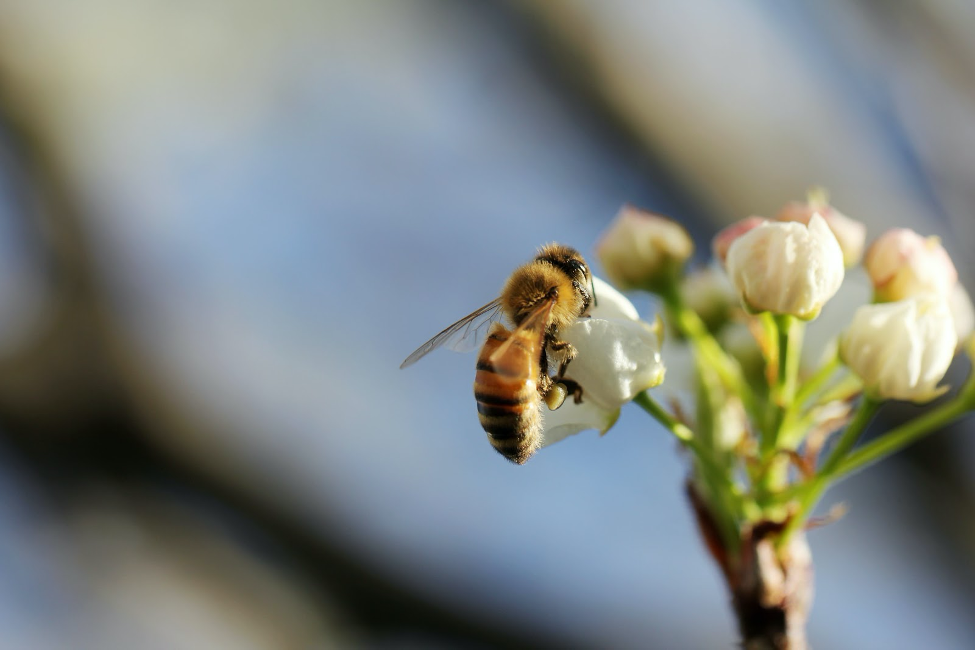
(535, 322)
(462, 336)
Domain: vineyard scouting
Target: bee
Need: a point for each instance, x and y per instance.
(512, 378)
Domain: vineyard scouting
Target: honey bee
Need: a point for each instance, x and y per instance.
(512, 377)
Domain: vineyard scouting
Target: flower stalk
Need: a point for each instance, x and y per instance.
(755, 421)
(908, 433)
(817, 486)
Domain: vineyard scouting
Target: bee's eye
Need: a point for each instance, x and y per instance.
(577, 267)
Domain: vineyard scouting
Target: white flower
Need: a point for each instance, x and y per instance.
(849, 232)
(618, 356)
(642, 250)
(902, 263)
(901, 350)
(786, 268)
(573, 418)
(962, 308)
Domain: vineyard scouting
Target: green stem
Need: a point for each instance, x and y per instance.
(791, 339)
(849, 386)
(717, 480)
(798, 421)
(864, 414)
(678, 429)
(815, 381)
(771, 343)
(866, 410)
(908, 433)
(693, 329)
(778, 332)
(789, 333)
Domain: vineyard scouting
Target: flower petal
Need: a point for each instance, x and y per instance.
(618, 356)
(611, 303)
(962, 309)
(573, 418)
(849, 232)
(616, 359)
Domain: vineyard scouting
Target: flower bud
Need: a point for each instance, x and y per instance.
(902, 263)
(725, 237)
(643, 250)
(849, 233)
(786, 268)
(709, 294)
(962, 309)
(901, 350)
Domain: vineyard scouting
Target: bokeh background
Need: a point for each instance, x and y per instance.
(223, 224)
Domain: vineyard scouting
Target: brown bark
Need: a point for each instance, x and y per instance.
(772, 588)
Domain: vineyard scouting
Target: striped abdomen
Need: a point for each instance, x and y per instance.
(506, 394)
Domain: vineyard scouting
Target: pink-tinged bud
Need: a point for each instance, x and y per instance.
(902, 263)
(849, 233)
(901, 350)
(725, 237)
(643, 250)
(786, 268)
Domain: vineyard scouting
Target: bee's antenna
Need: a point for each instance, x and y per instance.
(593, 290)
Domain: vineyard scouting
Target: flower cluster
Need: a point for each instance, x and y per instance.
(771, 276)
(739, 324)
(766, 435)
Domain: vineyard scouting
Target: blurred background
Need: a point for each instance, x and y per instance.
(223, 224)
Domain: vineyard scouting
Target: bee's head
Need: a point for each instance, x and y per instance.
(566, 259)
(574, 266)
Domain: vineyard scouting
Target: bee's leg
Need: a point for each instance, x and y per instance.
(544, 385)
(574, 389)
(567, 354)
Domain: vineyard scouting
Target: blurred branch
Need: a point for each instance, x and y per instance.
(67, 408)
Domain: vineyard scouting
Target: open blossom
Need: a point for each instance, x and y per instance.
(725, 237)
(641, 250)
(901, 350)
(786, 268)
(902, 263)
(849, 233)
(618, 356)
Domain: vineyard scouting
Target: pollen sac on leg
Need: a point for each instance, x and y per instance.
(555, 397)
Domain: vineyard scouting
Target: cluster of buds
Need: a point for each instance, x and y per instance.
(794, 264)
(900, 346)
(755, 420)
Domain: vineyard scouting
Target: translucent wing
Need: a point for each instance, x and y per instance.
(462, 336)
(533, 326)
